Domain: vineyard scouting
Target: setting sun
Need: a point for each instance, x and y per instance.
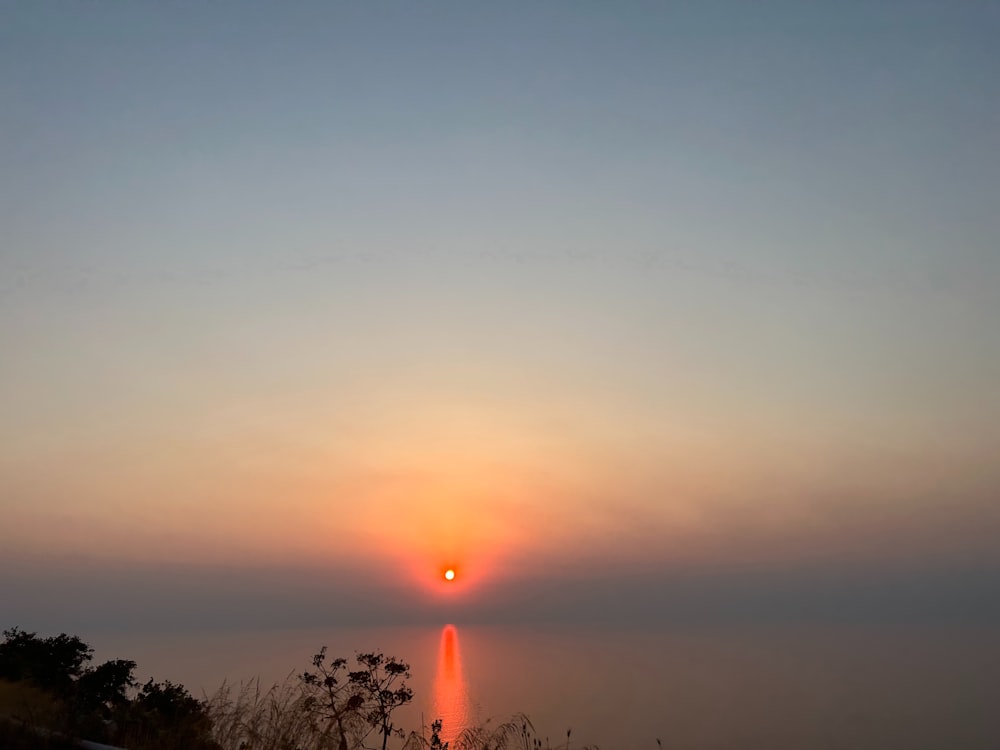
(449, 575)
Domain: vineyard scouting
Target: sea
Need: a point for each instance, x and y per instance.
(696, 688)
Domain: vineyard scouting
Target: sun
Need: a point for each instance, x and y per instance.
(449, 575)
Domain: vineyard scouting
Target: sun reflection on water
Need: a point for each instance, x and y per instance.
(451, 692)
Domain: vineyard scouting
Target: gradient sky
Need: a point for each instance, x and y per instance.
(301, 302)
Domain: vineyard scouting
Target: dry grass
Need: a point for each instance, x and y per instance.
(247, 717)
(28, 718)
(518, 733)
(18, 736)
(21, 701)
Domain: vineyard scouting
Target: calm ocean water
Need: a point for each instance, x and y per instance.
(778, 688)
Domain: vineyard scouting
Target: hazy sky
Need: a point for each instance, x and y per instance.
(301, 302)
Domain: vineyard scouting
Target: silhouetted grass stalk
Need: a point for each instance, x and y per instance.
(250, 718)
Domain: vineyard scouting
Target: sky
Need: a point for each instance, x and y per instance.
(664, 309)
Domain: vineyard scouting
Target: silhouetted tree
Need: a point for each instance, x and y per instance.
(94, 701)
(105, 686)
(165, 715)
(52, 664)
(330, 699)
(381, 687)
(360, 701)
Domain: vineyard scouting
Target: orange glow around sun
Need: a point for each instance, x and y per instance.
(452, 512)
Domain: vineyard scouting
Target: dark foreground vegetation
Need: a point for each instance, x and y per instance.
(51, 698)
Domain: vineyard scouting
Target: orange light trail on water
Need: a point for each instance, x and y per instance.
(451, 692)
